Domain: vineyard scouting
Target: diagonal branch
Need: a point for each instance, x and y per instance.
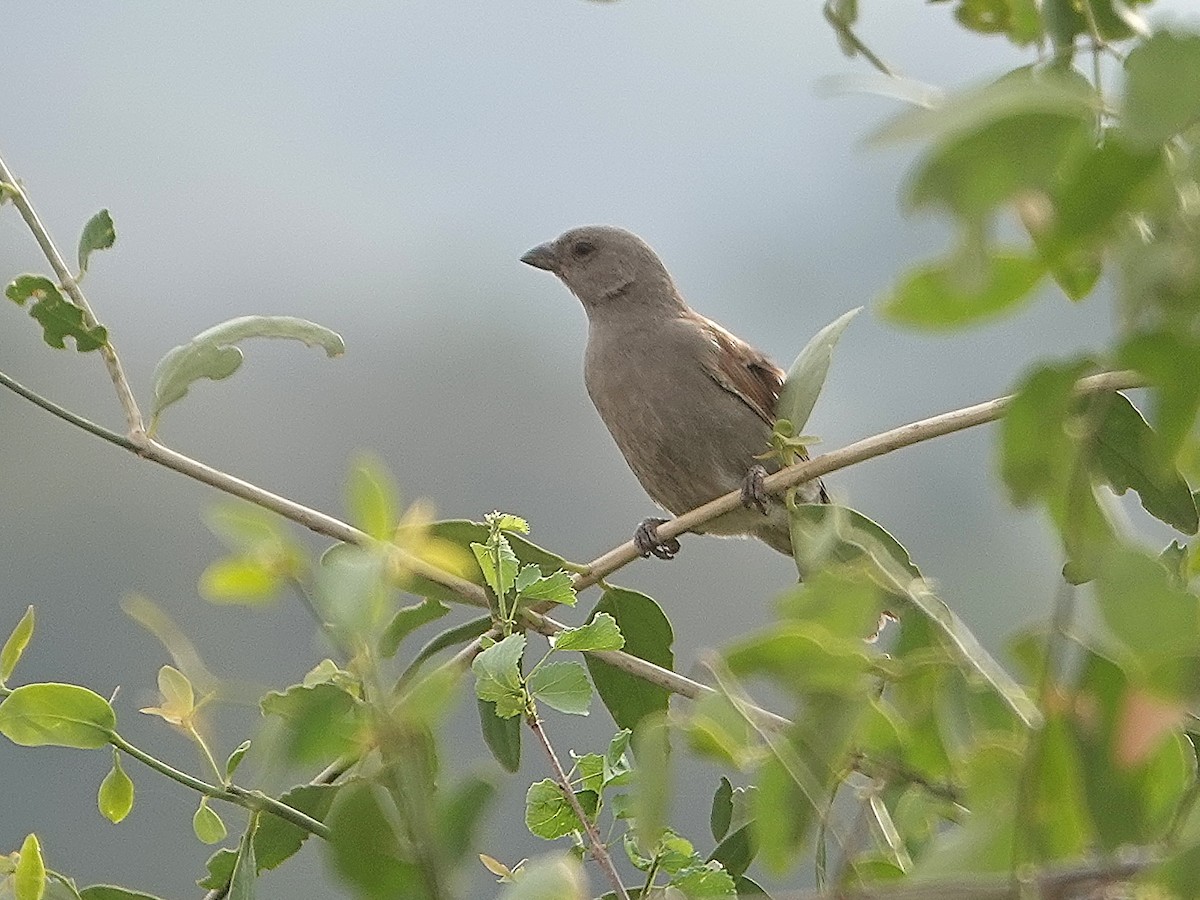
(860, 451)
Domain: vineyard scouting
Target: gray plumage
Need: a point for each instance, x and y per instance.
(689, 404)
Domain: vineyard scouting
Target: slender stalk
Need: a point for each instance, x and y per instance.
(133, 416)
(231, 794)
(599, 851)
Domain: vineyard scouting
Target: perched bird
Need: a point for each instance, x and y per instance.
(689, 404)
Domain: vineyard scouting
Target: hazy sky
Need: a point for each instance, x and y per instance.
(379, 167)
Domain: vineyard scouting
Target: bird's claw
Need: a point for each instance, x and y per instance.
(645, 539)
(754, 495)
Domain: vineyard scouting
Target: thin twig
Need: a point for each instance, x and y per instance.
(599, 851)
(851, 454)
(13, 188)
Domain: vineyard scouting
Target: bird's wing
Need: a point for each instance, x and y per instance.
(745, 372)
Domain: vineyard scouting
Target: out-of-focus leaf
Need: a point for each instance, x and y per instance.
(321, 721)
(112, 892)
(1171, 362)
(460, 810)
(648, 636)
(371, 497)
(214, 353)
(802, 657)
(276, 839)
(954, 292)
(556, 878)
(98, 234)
(236, 579)
(807, 375)
(451, 637)
(364, 850)
(407, 620)
(1128, 455)
(652, 788)
(1162, 87)
(57, 715)
(59, 317)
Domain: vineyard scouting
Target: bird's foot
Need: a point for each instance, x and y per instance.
(754, 495)
(645, 538)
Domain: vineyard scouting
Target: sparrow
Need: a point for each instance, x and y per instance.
(689, 405)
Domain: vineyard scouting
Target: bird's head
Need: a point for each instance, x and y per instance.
(601, 265)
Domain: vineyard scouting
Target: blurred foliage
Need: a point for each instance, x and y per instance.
(909, 754)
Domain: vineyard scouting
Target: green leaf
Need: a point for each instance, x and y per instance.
(15, 646)
(219, 870)
(500, 579)
(371, 498)
(240, 580)
(451, 637)
(562, 685)
(721, 813)
(235, 758)
(737, 850)
(601, 633)
(245, 869)
(363, 846)
(648, 636)
(319, 721)
(112, 892)
(58, 715)
(548, 813)
(554, 588)
(498, 675)
(29, 877)
(460, 811)
(58, 316)
(1171, 362)
(1057, 815)
(115, 797)
(98, 234)
(276, 840)
(406, 621)
(1177, 876)
(1037, 453)
(207, 824)
(502, 735)
(1019, 20)
(652, 787)
(806, 377)
(954, 292)
(1162, 87)
(1128, 455)
(507, 522)
(803, 657)
(213, 353)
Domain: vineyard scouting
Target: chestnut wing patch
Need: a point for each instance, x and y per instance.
(743, 371)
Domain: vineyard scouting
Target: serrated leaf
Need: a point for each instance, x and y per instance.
(112, 892)
(276, 840)
(548, 813)
(553, 588)
(15, 646)
(213, 353)
(115, 797)
(601, 633)
(502, 735)
(235, 758)
(207, 825)
(807, 375)
(58, 316)
(648, 636)
(29, 877)
(98, 234)
(708, 880)
(562, 685)
(406, 621)
(59, 715)
(499, 578)
(498, 675)
(507, 522)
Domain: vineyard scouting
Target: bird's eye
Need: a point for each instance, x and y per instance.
(582, 249)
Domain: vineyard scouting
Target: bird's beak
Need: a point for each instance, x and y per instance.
(542, 256)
